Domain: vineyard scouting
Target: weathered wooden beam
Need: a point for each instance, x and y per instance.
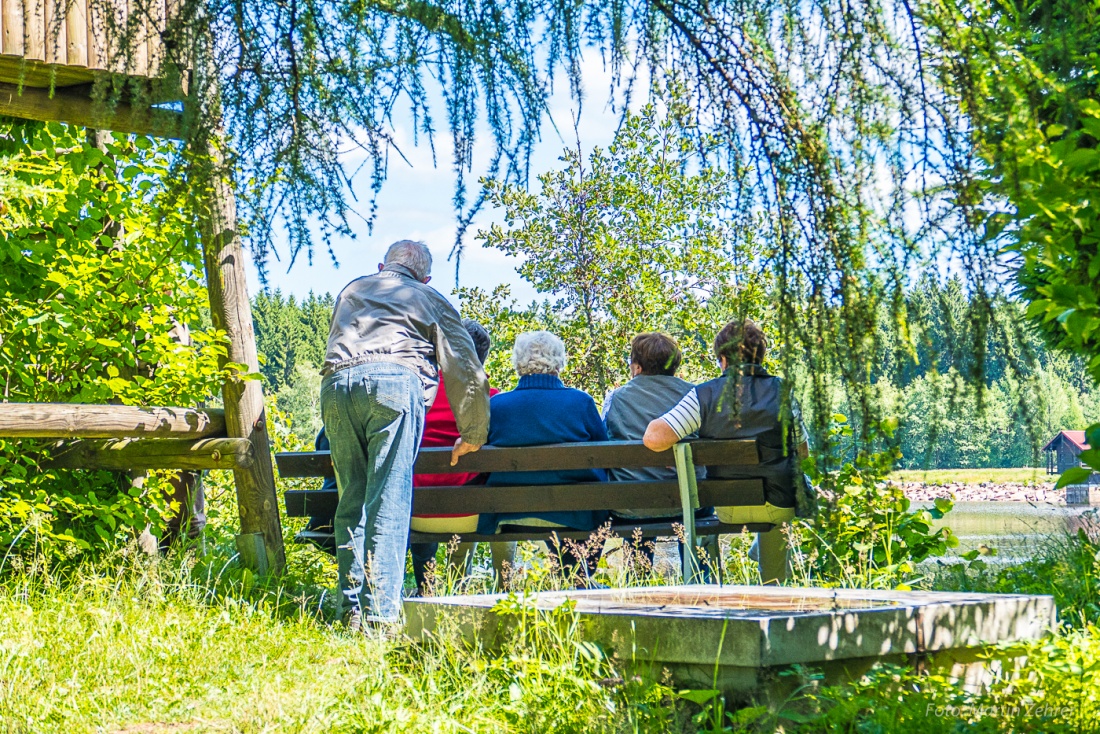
(161, 453)
(158, 18)
(34, 24)
(260, 543)
(79, 109)
(66, 420)
(76, 33)
(11, 16)
(57, 41)
(602, 455)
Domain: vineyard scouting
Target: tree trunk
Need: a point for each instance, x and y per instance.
(261, 540)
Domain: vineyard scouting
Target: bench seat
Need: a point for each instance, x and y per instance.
(678, 497)
(649, 530)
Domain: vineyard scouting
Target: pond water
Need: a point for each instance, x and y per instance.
(1015, 529)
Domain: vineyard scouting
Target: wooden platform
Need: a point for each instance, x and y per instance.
(42, 49)
(51, 66)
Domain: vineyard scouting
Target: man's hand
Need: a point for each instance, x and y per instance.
(462, 448)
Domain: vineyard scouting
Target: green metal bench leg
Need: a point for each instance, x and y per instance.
(689, 501)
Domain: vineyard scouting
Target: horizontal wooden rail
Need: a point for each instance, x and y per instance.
(625, 529)
(69, 420)
(162, 453)
(78, 108)
(473, 498)
(600, 455)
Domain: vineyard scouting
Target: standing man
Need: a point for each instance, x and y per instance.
(390, 338)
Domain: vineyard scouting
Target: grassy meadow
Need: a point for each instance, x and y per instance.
(1024, 475)
(191, 643)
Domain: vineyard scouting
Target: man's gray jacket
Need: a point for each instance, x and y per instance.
(393, 317)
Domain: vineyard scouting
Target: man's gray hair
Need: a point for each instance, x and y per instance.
(413, 255)
(538, 353)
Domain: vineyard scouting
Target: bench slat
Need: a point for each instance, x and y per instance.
(597, 455)
(546, 498)
(649, 530)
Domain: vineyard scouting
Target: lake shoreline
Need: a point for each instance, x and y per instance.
(1032, 493)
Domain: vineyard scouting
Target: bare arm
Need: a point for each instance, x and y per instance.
(681, 421)
(659, 436)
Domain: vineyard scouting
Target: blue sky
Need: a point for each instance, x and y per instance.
(415, 203)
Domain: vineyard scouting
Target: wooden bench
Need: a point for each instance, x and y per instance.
(682, 496)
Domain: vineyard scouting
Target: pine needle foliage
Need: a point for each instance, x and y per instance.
(860, 161)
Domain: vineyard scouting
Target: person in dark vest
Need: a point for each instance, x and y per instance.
(652, 391)
(747, 402)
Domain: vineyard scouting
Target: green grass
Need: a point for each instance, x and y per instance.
(142, 647)
(194, 644)
(1026, 475)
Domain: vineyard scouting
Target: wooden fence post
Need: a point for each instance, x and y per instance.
(260, 543)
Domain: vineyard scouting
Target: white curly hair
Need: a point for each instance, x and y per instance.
(538, 353)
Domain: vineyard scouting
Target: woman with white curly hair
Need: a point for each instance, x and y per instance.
(541, 410)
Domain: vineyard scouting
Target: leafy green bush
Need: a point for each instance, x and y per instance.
(865, 533)
(95, 270)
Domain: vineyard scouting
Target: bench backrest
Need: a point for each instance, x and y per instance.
(594, 455)
(472, 499)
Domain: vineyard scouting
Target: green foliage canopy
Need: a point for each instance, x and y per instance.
(639, 237)
(1028, 77)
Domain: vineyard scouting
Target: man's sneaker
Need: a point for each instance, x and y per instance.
(353, 620)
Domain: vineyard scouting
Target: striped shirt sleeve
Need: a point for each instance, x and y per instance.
(686, 416)
(801, 435)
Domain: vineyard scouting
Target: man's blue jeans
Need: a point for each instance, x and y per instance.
(374, 418)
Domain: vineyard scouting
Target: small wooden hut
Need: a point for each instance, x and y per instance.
(57, 58)
(49, 64)
(1064, 450)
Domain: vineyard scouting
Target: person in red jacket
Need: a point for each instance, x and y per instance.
(440, 430)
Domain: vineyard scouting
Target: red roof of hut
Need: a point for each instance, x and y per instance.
(1077, 438)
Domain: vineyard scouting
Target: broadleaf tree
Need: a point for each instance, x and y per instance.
(96, 270)
(642, 236)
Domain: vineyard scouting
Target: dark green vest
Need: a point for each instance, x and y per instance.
(757, 412)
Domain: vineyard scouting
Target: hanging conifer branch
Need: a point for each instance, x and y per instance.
(860, 167)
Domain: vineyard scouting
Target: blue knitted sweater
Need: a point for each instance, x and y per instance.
(542, 410)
